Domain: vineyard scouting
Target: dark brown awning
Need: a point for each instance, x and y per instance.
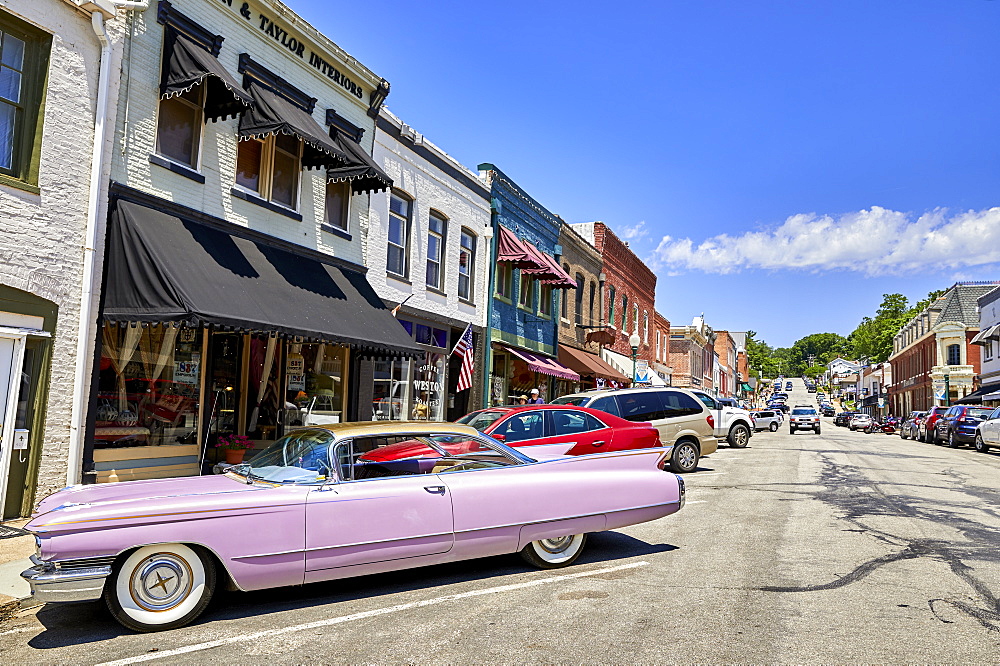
(162, 268)
(550, 273)
(271, 113)
(363, 174)
(588, 364)
(186, 64)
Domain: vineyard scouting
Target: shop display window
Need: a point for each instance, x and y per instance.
(428, 388)
(148, 386)
(314, 384)
(391, 394)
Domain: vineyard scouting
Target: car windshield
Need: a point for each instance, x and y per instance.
(575, 400)
(803, 412)
(482, 419)
(302, 456)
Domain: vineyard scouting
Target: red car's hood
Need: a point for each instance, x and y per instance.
(125, 491)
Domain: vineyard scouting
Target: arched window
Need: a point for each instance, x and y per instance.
(466, 264)
(565, 297)
(579, 298)
(645, 327)
(398, 251)
(593, 301)
(954, 355)
(611, 306)
(624, 314)
(437, 234)
(635, 318)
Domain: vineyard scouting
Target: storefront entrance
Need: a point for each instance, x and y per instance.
(21, 356)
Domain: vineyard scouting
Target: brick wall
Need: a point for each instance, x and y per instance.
(629, 277)
(137, 113)
(580, 258)
(41, 247)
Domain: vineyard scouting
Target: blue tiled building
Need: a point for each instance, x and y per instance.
(522, 322)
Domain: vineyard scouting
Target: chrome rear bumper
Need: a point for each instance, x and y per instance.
(49, 584)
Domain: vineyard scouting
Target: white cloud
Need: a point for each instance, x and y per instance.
(634, 232)
(874, 242)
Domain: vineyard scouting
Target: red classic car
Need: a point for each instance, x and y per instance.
(561, 430)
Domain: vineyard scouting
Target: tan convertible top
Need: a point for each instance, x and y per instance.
(389, 428)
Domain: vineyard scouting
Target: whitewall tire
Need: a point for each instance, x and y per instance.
(160, 587)
(554, 553)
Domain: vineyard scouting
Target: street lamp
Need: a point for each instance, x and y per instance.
(633, 341)
(947, 391)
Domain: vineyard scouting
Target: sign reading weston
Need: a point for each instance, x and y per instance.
(297, 45)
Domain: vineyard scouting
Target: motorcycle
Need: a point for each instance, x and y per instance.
(888, 426)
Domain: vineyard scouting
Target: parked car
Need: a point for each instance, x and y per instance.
(803, 417)
(686, 426)
(859, 422)
(767, 419)
(811, 388)
(732, 424)
(828, 410)
(988, 432)
(957, 426)
(911, 425)
(308, 508)
(926, 426)
(583, 430)
(788, 386)
(843, 418)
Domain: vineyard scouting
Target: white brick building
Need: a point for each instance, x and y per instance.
(52, 56)
(440, 268)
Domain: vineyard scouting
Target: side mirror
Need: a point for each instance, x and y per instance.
(500, 438)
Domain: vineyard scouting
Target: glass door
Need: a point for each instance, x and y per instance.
(11, 359)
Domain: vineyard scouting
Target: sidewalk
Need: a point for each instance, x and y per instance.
(14, 554)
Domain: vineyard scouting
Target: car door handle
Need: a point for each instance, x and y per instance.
(435, 490)
(599, 442)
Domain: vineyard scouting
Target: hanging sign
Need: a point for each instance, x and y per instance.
(295, 372)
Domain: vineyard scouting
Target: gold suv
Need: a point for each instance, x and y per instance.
(685, 425)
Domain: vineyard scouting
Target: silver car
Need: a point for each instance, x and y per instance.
(767, 419)
(859, 422)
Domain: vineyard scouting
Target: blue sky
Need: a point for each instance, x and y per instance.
(779, 164)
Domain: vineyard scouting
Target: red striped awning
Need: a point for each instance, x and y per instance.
(544, 364)
(511, 248)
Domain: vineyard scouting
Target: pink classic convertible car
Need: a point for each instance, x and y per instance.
(311, 508)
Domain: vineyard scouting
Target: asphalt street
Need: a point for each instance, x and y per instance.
(838, 547)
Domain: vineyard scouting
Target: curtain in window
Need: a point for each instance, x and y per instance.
(121, 355)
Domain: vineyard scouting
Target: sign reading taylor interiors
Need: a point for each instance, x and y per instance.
(297, 45)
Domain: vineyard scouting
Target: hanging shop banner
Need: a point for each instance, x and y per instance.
(295, 372)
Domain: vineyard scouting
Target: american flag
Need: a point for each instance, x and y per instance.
(464, 349)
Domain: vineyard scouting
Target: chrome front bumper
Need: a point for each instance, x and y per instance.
(49, 584)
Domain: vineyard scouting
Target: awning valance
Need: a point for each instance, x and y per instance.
(544, 365)
(976, 397)
(587, 364)
(550, 272)
(510, 248)
(746, 387)
(161, 268)
(363, 174)
(186, 64)
(271, 113)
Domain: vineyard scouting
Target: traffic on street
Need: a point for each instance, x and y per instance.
(833, 547)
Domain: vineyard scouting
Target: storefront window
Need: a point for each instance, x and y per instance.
(148, 386)
(428, 388)
(314, 384)
(391, 395)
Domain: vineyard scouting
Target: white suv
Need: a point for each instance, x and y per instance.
(803, 417)
(685, 425)
(732, 424)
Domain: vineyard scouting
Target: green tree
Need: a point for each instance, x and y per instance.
(872, 339)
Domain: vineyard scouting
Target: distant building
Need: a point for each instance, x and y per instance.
(934, 361)
(692, 352)
(988, 340)
(725, 349)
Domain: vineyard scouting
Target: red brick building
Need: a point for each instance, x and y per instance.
(629, 290)
(661, 347)
(692, 355)
(725, 348)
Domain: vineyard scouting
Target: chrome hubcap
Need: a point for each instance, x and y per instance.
(160, 582)
(686, 456)
(740, 436)
(556, 545)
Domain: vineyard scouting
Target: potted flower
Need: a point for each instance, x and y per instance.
(235, 447)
